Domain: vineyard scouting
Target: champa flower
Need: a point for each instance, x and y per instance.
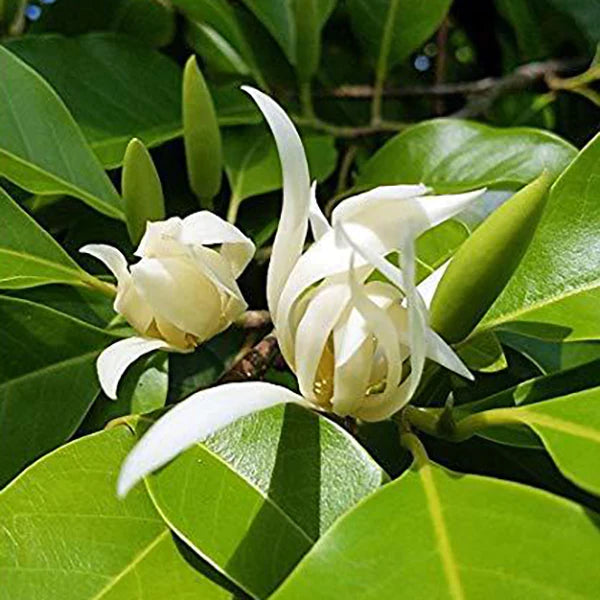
(344, 336)
(180, 293)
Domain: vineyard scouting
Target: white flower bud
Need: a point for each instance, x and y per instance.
(180, 293)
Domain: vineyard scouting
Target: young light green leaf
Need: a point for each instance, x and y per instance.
(141, 189)
(410, 24)
(48, 379)
(110, 105)
(555, 292)
(466, 545)
(29, 256)
(201, 134)
(64, 534)
(483, 353)
(285, 475)
(483, 265)
(41, 147)
(570, 429)
(453, 156)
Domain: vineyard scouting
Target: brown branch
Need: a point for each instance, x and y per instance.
(254, 364)
(253, 319)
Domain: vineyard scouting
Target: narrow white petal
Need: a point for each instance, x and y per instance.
(206, 228)
(318, 223)
(111, 257)
(313, 332)
(114, 360)
(350, 207)
(429, 285)
(440, 352)
(293, 223)
(195, 419)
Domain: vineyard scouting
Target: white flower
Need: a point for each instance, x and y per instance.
(346, 337)
(180, 293)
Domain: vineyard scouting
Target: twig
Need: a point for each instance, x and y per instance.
(345, 167)
(253, 319)
(441, 64)
(349, 131)
(254, 364)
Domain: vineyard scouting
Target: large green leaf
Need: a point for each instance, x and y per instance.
(99, 77)
(438, 534)
(255, 497)
(252, 163)
(452, 156)
(64, 534)
(410, 23)
(570, 429)
(28, 255)
(555, 292)
(48, 379)
(41, 147)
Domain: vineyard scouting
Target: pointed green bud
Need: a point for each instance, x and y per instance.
(141, 189)
(202, 138)
(486, 261)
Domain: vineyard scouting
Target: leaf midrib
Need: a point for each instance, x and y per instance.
(75, 270)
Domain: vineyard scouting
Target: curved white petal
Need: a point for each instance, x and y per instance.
(429, 285)
(205, 228)
(180, 293)
(318, 223)
(111, 257)
(161, 238)
(114, 360)
(195, 419)
(350, 207)
(313, 332)
(293, 223)
(440, 352)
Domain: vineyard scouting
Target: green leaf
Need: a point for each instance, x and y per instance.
(41, 147)
(252, 163)
(484, 264)
(413, 24)
(203, 154)
(111, 105)
(555, 292)
(438, 534)
(48, 379)
(586, 13)
(64, 534)
(151, 21)
(483, 353)
(141, 189)
(570, 429)
(255, 497)
(453, 156)
(234, 107)
(28, 255)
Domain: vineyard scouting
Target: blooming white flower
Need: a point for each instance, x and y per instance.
(345, 336)
(180, 293)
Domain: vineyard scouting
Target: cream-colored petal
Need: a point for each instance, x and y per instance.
(161, 239)
(318, 223)
(112, 258)
(313, 332)
(114, 360)
(178, 292)
(429, 285)
(206, 228)
(293, 223)
(195, 419)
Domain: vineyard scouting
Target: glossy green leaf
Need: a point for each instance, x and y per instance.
(411, 23)
(585, 13)
(64, 534)
(201, 135)
(438, 534)
(48, 379)
(570, 429)
(28, 255)
(234, 107)
(484, 264)
(453, 156)
(41, 147)
(252, 163)
(111, 105)
(483, 353)
(151, 21)
(555, 292)
(255, 497)
(141, 189)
